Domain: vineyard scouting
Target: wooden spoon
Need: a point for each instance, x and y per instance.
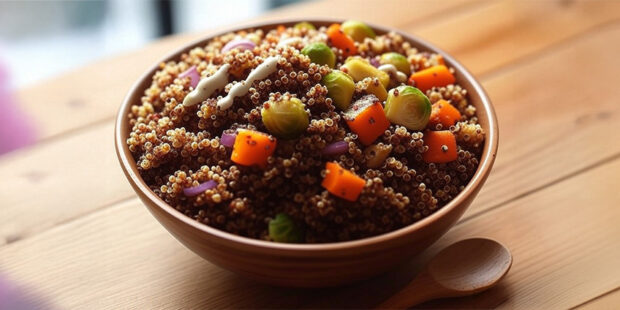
(464, 268)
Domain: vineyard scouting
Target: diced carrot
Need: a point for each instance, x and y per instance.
(342, 182)
(280, 29)
(441, 146)
(443, 113)
(440, 60)
(341, 40)
(426, 79)
(367, 119)
(252, 148)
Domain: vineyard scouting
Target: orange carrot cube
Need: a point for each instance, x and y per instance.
(367, 119)
(443, 113)
(428, 78)
(441, 146)
(252, 148)
(342, 182)
(341, 40)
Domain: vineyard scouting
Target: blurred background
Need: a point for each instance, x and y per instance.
(67, 34)
(42, 39)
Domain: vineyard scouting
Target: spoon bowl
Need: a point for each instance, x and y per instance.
(464, 268)
(470, 266)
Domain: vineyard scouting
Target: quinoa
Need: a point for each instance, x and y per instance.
(177, 146)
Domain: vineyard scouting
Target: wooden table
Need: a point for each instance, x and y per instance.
(74, 234)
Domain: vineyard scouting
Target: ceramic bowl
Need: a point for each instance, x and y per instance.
(311, 265)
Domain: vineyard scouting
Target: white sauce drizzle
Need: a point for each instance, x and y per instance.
(391, 70)
(263, 70)
(207, 86)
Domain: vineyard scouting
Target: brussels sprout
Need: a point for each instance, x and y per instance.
(357, 30)
(304, 25)
(285, 118)
(358, 68)
(374, 87)
(320, 53)
(376, 154)
(340, 88)
(398, 60)
(283, 229)
(408, 106)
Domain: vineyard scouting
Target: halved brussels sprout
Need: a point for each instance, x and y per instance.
(304, 25)
(408, 106)
(397, 60)
(358, 68)
(285, 118)
(320, 53)
(357, 30)
(283, 229)
(340, 88)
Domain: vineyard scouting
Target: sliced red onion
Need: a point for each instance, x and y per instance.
(193, 74)
(374, 62)
(228, 139)
(197, 190)
(241, 44)
(336, 148)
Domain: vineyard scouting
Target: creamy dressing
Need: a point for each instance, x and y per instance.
(263, 70)
(391, 70)
(207, 86)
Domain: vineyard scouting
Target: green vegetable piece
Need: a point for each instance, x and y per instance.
(283, 229)
(285, 118)
(398, 60)
(320, 53)
(408, 106)
(359, 68)
(304, 25)
(340, 88)
(357, 30)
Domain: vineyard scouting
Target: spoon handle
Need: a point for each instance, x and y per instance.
(422, 288)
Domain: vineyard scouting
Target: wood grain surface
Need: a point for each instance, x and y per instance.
(607, 301)
(83, 241)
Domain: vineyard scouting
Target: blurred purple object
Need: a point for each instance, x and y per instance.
(11, 298)
(15, 128)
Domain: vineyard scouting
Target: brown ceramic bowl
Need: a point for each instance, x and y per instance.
(311, 265)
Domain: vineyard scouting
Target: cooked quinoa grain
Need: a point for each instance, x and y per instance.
(178, 146)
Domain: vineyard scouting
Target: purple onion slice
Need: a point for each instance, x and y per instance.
(228, 139)
(197, 190)
(336, 148)
(241, 44)
(193, 74)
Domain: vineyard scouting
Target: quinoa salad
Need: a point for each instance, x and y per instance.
(306, 134)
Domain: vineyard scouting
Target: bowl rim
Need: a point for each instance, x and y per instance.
(130, 168)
